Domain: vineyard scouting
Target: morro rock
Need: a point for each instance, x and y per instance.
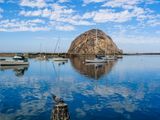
(94, 41)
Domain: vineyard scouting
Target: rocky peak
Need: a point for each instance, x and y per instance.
(94, 41)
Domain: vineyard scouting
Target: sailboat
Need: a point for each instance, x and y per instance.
(17, 60)
(40, 57)
(109, 57)
(59, 58)
(96, 59)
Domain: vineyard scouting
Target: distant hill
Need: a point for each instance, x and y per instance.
(86, 43)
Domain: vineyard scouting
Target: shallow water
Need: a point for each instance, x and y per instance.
(128, 88)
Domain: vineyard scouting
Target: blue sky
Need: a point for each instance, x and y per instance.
(31, 25)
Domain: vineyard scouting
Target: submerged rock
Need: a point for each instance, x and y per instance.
(94, 42)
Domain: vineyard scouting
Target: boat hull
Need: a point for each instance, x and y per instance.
(60, 59)
(109, 58)
(12, 63)
(95, 61)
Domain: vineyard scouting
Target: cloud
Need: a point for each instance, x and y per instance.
(62, 1)
(105, 12)
(92, 1)
(33, 3)
(105, 15)
(31, 13)
(55, 12)
(154, 21)
(65, 27)
(58, 13)
(17, 25)
(121, 3)
(1, 1)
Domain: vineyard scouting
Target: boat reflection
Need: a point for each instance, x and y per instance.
(60, 63)
(19, 70)
(92, 70)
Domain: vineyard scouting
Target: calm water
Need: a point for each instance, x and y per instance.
(125, 89)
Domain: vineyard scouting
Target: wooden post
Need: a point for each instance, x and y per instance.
(60, 112)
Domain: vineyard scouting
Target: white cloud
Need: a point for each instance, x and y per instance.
(58, 13)
(65, 27)
(33, 3)
(1, 1)
(15, 25)
(88, 15)
(121, 3)
(92, 1)
(105, 15)
(154, 22)
(62, 1)
(31, 13)
(152, 2)
(46, 12)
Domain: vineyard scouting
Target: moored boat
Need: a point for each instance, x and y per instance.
(109, 58)
(95, 60)
(16, 60)
(60, 59)
(119, 56)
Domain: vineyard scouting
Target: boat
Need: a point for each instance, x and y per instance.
(120, 56)
(41, 56)
(109, 57)
(95, 64)
(16, 60)
(96, 59)
(60, 59)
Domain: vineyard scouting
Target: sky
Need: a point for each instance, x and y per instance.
(37, 25)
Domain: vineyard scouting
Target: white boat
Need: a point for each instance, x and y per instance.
(41, 58)
(95, 60)
(109, 58)
(60, 59)
(95, 64)
(17, 57)
(13, 63)
(119, 56)
(17, 60)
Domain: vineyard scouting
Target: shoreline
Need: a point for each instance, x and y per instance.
(7, 54)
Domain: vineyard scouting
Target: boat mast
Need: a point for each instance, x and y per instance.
(59, 46)
(96, 39)
(40, 49)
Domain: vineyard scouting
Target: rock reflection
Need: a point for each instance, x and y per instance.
(19, 70)
(92, 70)
(60, 109)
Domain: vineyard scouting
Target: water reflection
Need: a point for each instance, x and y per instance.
(60, 63)
(19, 70)
(130, 91)
(92, 70)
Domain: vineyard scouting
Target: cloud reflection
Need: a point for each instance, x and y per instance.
(32, 95)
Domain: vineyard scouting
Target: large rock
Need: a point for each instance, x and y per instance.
(88, 43)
